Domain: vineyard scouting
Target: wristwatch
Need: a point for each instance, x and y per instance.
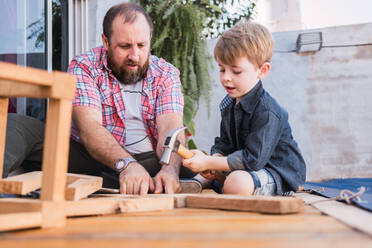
(123, 163)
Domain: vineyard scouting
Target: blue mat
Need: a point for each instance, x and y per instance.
(332, 188)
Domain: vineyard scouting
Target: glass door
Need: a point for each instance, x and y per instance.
(22, 42)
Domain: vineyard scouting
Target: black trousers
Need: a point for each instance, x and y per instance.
(24, 148)
(81, 162)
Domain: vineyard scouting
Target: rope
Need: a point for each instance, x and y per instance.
(345, 195)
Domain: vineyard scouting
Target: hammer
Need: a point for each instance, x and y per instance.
(171, 143)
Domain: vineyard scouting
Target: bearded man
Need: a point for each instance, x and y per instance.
(126, 102)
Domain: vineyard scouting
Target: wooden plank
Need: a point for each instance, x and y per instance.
(92, 206)
(21, 184)
(262, 204)
(114, 205)
(63, 86)
(82, 186)
(179, 199)
(10, 88)
(53, 213)
(350, 215)
(17, 205)
(19, 221)
(3, 119)
(56, 148)
(28, 75)
(146, 204)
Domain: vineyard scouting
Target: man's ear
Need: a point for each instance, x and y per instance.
(105, 41)
(264, 70)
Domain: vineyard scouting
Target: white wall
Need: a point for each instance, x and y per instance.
(289, 15)
(327, 95)
(97, 11)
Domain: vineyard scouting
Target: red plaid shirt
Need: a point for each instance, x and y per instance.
(98, 88)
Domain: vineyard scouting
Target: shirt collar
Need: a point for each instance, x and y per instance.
(104, 63)
(249, 101)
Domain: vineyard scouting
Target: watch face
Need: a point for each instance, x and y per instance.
(120, 165)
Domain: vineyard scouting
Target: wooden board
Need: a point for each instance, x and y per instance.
(146, 204)
(348, 214)
(21, 184)
(20, 220)
(114, 205)
(56, 149)
(82, 186)
(77, 186)
(3, 120)
(179, 199)
(262, 204)
(32, 76)
(191, 227)
(17, 205)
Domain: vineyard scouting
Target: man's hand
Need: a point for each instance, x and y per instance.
(167, 178)
(135, 180)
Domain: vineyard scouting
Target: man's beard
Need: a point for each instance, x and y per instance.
(124, 75)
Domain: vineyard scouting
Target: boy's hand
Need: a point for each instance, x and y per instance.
(198, 163)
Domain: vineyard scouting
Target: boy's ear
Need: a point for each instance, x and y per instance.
(264, 70)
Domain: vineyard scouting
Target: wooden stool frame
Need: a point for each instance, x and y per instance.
(59, 87)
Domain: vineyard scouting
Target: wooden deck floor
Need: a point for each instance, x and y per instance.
(186, 227)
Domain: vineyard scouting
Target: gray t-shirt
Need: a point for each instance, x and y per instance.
(137, 140)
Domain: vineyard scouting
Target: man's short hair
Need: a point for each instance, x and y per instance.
(129, 11)
(248, 39)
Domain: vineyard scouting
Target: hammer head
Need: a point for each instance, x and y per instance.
(170, 144)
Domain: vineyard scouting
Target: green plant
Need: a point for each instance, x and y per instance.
(179, 29)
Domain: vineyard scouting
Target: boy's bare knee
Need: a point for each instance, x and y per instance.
(239, 183)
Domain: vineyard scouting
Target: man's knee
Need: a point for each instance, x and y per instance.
(239, 182)
(24, 140)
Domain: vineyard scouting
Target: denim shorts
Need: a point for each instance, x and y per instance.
(264, 183)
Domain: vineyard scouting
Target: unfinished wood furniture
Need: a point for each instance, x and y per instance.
(77, 186)
(59, 88)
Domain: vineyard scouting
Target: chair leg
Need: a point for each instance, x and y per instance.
(3, 119)
(56, 149)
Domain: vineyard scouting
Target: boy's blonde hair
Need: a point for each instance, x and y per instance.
(248, 39)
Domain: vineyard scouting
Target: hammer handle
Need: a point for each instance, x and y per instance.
(184, 152)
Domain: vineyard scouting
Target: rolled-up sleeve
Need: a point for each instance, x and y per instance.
(170, 99)
(86, 93)
(260, 143)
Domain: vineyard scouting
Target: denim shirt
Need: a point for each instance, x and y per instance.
(255, 134)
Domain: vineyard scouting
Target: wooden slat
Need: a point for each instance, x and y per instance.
(19, 220)
(56, 148)
(10, 88)
(21, 184)
(3, 119)
(112, 205)
(16, 205)
(82, 186)
(179, 199)
(262, 204)
(53, 213)
(146, 204)
(63, 86)
(28, 75)
(92, 206)
(348, 214)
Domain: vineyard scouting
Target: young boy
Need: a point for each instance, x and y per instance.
(255, 150)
